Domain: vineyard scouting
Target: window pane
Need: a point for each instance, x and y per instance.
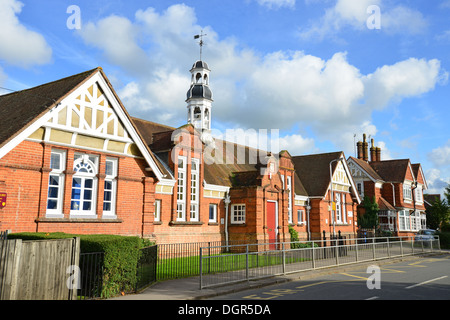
(53, 192)
(108, 185)
(87, 194)
(55, 161)
(106, 206)
(75, 205)
(52, 204)
(76, 183)
(86, 205)
(54, 180)
(109, 168)
(107, 196)
(88, 183)
(76, 194)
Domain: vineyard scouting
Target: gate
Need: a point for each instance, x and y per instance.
(39, 270)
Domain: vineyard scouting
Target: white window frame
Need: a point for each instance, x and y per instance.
(181, 189)
(89, 160)
(195, 192)
(407, 192)
(110, 177)
(360, 187)
(214, 207)
(157, 210)
(289, 188)
(418, 194)
(57, 172)
(338, 208)
(238, 213)
(300, 216)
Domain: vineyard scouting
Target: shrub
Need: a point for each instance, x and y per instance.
(444, 239)
(295, 240)
(121, 255)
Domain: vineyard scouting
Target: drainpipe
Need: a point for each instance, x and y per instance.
(308, 208)
(227, 202)
(393, 192)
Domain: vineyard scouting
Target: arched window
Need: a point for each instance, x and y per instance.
(84, 185)
(198, 78)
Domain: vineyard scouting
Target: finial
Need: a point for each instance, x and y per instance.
(201, 43)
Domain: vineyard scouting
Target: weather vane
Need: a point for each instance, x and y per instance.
(201, 43)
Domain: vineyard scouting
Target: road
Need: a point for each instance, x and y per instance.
(426, 278)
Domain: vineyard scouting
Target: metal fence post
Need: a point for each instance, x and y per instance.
(283, 252)
(246, 265)
(373, 248)
(336, 252)
(388, 249)
(201, 268)
(401, 247)
(356, 250)
(313, 255)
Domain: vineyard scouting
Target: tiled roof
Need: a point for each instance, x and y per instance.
(20, 109)
(367, 168)
(314, 171)
(391, 170)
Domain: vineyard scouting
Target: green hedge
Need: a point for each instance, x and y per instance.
(444, 239)
(121, 255)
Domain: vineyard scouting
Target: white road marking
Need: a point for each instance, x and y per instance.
(425, 282)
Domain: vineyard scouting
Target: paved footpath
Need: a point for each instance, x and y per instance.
(189, 288)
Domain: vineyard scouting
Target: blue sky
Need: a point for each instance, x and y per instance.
(313, 69)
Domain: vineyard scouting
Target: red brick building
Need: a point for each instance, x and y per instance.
(397, 186)
(73, 160)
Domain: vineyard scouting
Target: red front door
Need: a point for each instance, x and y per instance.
(272, 223)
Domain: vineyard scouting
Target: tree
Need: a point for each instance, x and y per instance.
(369, 220)
(447, 194)
(438, 213)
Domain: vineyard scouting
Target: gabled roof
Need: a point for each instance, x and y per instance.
(20, 109)
(392, 170)
(418, 174)
(23, 110)
(367, 168)
(314, 172)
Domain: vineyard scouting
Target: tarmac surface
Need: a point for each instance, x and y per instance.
(189, 288)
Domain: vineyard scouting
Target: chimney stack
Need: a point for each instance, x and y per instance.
(373, 152)
(360, 150)
(378, 153)
(365, 148)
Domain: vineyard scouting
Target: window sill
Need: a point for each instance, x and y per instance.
(79, 220)
(185, 223)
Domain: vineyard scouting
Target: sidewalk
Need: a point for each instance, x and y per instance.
(189, 288)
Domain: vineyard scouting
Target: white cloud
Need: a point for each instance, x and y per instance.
(440, 156)
(276, 4)
(279, 90)
(20, 46)
(408, 78)
(117, 37)
(355, 14)
(435, 182)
